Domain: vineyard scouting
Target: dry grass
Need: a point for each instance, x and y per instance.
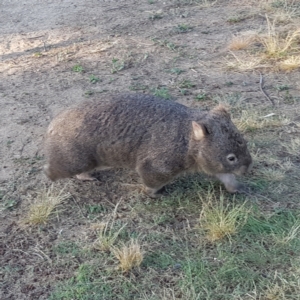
(292, 148)
(129, 256)
(244, 64)
(45, 203)
(107, 235)
(272, 174)
(283, 16)
(251, 120)
(290, 63)
(221, 220)
(260, 156)
(275, 292)
(241, 41)
(281, 288)
(272, 6)
(274, 44)
(294, 233)
(280, 50)
(286, 165)
(207, 3)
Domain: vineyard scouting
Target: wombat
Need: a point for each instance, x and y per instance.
(158, 138)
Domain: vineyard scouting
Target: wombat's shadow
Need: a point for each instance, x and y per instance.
(180, 185)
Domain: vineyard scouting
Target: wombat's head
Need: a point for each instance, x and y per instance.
(218, 146)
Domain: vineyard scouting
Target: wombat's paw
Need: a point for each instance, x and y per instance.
(85, 177)
(152, 193)
(243, 189)
(48, 173)
(238, 188)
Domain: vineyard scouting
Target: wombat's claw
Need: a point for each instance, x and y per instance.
(238, 189)
(85, 177)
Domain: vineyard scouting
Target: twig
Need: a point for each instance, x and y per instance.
(79, 207)
(19, 250)
(262, 89)
(257, 195)
(36, 37)
(45, 255)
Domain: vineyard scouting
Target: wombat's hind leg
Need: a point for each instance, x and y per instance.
(48, 172)
(154, 179)
(85, 177)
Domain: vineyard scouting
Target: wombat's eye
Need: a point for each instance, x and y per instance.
(231, 158)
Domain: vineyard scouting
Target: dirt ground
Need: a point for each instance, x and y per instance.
(57, 53)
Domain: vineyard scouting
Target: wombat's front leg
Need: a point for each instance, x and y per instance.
(154, 179)
(151, 192)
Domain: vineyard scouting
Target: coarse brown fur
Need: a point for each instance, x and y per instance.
(158, 138)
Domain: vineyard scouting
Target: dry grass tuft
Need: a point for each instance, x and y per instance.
(292, 148)
(294, 233)
(241, 42)
(129, 256)
(262, 157)
(244, 64)
(272, 174)
(46, 202)
(286, 165)
(107, 235)
(275, 45)
(275, 292)
(251, 121)
(284, 11)
(220, 220)
(283, 16)
(290, 63)
(280, 50)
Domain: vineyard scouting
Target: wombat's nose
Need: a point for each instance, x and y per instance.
(250, 166)
(243, 169)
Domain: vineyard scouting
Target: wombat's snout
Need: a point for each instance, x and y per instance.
(245, 168)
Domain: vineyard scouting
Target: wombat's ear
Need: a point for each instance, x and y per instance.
(200, 131)
(221, 110)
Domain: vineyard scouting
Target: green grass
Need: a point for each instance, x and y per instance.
(67, 248)
(257, 261)
(183, 28)
(201, 97)
(78, 69)
(260, 260)
(94, 79)
(186, 84)
(166, 44)
(162, 93)
(176, 71)
(138, 87)
(117, 65)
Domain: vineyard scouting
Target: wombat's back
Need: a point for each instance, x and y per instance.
(115, 132)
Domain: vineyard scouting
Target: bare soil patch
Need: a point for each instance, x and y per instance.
(54, 54)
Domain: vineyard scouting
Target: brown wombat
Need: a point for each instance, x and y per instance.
(158, 138)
